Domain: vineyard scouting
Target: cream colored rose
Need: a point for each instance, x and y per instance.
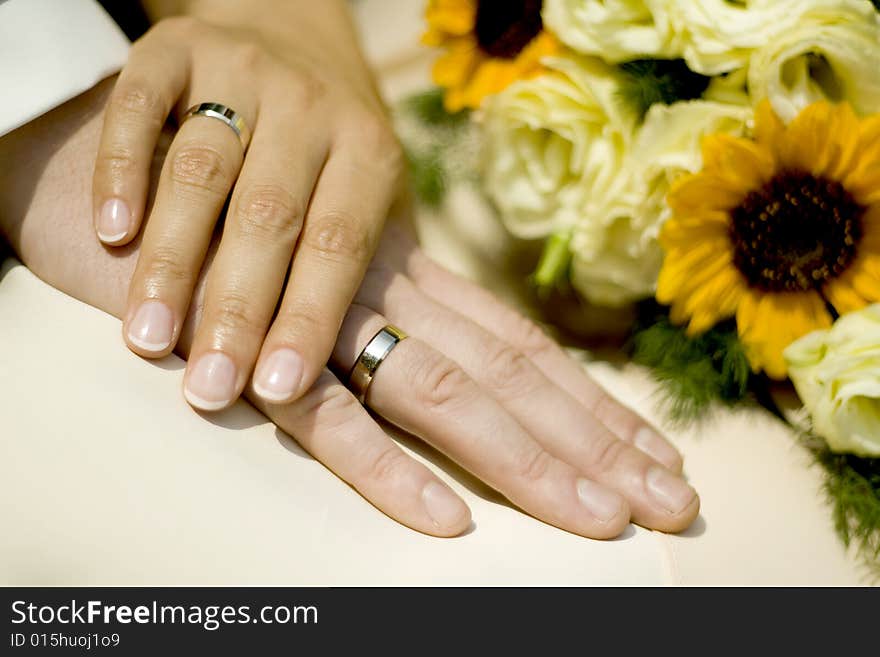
(550, 141)
(616, 253)
(717, 36)
(837, 375)
(829, 55)
(616, 30)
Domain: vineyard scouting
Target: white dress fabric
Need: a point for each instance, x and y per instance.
(52, 51)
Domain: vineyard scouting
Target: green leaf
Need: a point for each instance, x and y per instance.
(694, 372)
(852, 484)
(428, 176)
(649, 81)
(427, 107)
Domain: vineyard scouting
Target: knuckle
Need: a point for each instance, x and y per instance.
(139, 98)
(507, 368)
(270, 212)
(234, 311)
(385, 463)
(167, 264)
(201, 167)
(302, 320)
(382, 144)
(307, 89)
(532, 464)
(529, 337)
(331, 406)
(338, 236)
(606, 452)
(116, 164)
(249, 55)
(375, 132)
(602, 405)
(440, 384)
(181, 24)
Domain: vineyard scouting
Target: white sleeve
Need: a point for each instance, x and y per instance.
(50, 52)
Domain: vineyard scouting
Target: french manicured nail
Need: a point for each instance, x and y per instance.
(602, 503)
(114, 221)
(444, 507)
(670, 492)
(210, 384)
(652, 444)
(278, 378)
(152, 326)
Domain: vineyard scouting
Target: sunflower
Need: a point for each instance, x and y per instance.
(781, 232)
(489, 44)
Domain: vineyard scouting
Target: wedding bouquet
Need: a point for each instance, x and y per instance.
(716, 163)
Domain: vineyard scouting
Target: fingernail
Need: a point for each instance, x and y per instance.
(210, 384)
(114, 220)
(652, 444)
(601, 502)
(278, 378)
(444, 507)
(670, 492)
(152, 326)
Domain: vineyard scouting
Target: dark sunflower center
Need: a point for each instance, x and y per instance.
(505, 27)
(795, 233)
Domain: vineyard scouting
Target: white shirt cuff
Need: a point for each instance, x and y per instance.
(52, 51)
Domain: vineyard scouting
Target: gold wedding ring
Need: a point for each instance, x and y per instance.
(222, 113)
(370, 358)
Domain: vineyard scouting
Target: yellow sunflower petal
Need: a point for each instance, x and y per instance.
(684, 231)
(454, 17)
(823, 140)
(863, 182)
(742, 163)
(769, 322)
(702, 193)
(682, 270)
(768, 127)
(714, 301)
(858, 286)
(842, 295)
(456, 65)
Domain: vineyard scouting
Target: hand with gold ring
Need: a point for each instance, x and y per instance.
(277, 114)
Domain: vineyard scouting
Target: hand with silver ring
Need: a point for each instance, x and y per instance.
(474, 379)
(279, 116)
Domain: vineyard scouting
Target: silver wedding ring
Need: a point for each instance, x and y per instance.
(371, 357)
(222, 113)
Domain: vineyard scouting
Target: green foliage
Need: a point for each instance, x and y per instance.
(876, 4)
(432, 138)
(853, 488)
(427, 107)
(694, 372)
(649, 81)
(428, 175)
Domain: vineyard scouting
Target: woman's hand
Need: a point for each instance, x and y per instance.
(475, 379)
(318, 178)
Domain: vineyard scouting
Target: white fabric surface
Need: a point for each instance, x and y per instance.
(108, 477)
(51, 51)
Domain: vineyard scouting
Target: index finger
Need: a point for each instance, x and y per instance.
(145, 93)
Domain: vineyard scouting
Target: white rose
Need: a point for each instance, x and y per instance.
(617, 256)
(550, 140)
(837, 375)
(718, 36)
(829, 55)
(616, 30)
